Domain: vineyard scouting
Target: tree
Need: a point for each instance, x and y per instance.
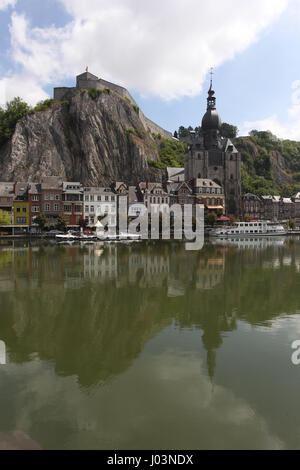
(41, 220)
(14, 112)
(183, 132)
(291, 223)
(62, 223)
(5, 218)
(287, 190)
(229, 131)
(211, 218)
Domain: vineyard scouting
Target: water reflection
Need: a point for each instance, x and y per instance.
(91, 311)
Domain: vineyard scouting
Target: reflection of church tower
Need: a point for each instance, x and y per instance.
(212, 341)
(214, 157)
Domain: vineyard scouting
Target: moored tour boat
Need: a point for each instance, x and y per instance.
(255, 229)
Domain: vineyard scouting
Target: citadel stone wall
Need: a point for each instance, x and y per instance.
(64, 93)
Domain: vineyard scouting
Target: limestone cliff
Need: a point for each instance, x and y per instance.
(95, 141)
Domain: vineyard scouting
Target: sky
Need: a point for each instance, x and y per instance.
(162, 52)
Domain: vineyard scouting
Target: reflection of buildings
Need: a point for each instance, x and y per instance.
(100, 264)
(251, 242)
(210, 272)
(92, 308)
(148, 270)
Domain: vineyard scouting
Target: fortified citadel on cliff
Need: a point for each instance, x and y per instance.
(88, 81)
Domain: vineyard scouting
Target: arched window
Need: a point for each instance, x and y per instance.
(199, 175)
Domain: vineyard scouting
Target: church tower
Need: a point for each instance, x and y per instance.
(214, 157)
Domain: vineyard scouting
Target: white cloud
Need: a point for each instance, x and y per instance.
(157, 48)
(290, 128)
(7, 3)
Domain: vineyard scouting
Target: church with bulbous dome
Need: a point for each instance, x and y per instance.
(214, 157)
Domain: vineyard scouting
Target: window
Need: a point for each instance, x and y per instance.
(106, 198)
(47, 197)
(99, 198)
(47, 207)
(86, 209)
(18, 209)
(57, 198)
(56, 207)
(78, 209)
(92, 199)
(35, 209)
(21, 220)
(24, 210)
(92, 208)
(87, 198)
(67, 208)
(51, 197)
(35, 198)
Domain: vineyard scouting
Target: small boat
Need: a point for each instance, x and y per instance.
(73, 235)
(246, 229)
(130, 236)
(101, 235)
(67, 236)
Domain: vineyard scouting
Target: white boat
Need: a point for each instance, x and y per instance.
(246, 229)
(66, 236)
(130, 236)
(101, 235)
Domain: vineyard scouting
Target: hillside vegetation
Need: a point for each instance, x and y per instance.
(269, 165)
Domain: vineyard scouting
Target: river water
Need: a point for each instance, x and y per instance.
(149, 346)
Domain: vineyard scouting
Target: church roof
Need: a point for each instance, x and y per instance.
(175, 174)
(230, 144)
(211, 120)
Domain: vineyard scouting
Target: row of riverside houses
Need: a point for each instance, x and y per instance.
(23, 202)
(274, 208)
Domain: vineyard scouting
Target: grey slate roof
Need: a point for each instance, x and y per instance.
(21, 190)
(206, 182)
(7, 189)
(174, 173)
(51, 182)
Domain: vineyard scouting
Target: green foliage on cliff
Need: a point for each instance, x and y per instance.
(42, 106)
(155, 164)
(94, 93)
(256, 151)
(171, 152)
(14, 112)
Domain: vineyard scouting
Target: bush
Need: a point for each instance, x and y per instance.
(94, 93)
(136, 108)
(130, 131)
(155, 164)
(43, 105)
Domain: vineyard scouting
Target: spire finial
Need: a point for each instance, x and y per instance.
(211, 75)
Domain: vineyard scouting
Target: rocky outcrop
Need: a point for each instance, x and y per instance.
(95, 141)
(281, 172)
